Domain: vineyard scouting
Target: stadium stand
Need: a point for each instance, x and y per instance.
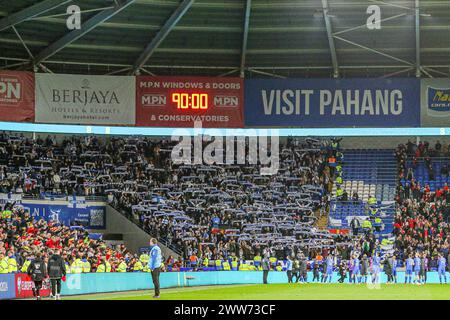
(170, 203)
(422, 217)
(218, 218)
(370, 172)
(365, 174)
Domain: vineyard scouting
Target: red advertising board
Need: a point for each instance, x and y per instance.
(16, 96)
(24, 286)
(179, 101)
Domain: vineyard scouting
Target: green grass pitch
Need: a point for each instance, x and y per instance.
(287, 292)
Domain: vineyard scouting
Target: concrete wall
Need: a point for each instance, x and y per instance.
(133, 236)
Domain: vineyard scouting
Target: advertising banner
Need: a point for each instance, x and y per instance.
(10, 197)
(435, 102)
(332, 102)
(16, 96)
(7, 288)
(80, 99)
(89, 216)
(24, 286)
(178, 102)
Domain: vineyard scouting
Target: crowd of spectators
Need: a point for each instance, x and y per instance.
(232, 211)
(422, 216)
(22, 237)
(205, 212)
(209, 211)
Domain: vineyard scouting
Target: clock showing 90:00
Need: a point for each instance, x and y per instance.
(194, 101)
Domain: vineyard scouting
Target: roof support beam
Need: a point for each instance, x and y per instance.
(426, 72)
(445, 74)
(161, 35)
(245, 37)
(86, 27)
(270, 74)
(375, 51)
(30, 12)
(330, 38)
(227, 73)
(23, 43)
(396, 73)
(417, 26)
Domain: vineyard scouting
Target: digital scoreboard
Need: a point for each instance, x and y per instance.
(193, 101)
(179, 102)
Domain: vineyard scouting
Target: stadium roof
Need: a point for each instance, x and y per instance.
(258, 38)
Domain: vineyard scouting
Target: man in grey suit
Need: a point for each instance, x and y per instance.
(265, 264)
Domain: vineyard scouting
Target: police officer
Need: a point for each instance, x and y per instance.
(56, 269)
(38, 273)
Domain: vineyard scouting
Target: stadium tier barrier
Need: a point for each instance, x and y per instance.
(19, 286)
(95, 283)
(7, 286)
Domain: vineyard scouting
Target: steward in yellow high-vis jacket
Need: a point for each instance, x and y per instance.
(25, 266)
(122, 266)
(12, 263)
(86, 265)
(226, 266)
(3, 264)
(138, 266)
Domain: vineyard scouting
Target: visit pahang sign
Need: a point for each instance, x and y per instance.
(80, 99)
(180, 101)
(332, 103)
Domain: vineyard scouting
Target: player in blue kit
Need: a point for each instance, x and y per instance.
(329, 270)
(394, 268)
(417, 269)
(441, 268)
(356, 269)
(376, 263)
(409, 269)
